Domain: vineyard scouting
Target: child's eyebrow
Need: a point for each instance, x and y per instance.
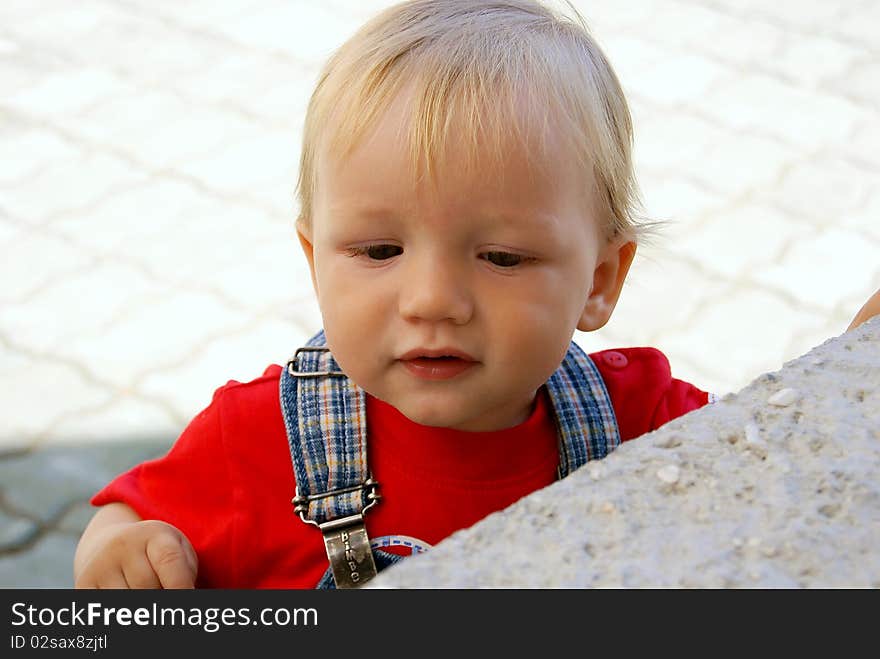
(362, 212)
(376, 212)
(504, 218)
(355, 208)
(523, 219)
(542, 221)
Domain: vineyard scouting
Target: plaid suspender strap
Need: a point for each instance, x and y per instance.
(585, 419)
(325, 417)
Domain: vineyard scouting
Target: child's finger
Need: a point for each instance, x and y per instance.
(111, 580)
(169, 560)
(869, 310)
(191, 557)
(139, 573)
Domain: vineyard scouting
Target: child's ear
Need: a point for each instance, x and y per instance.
(611, 269)
(305, 240)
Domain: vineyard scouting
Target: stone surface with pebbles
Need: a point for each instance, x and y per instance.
(775, 486)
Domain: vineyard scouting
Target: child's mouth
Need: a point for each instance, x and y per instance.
(440, 367)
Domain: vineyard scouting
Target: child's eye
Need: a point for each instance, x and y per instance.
(377, 252)
(503, 259)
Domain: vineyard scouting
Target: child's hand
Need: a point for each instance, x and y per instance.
(134, 554)
(871, 309)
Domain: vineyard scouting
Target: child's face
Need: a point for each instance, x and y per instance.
(494, 270)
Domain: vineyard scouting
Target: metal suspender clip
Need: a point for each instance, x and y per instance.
(348, 549)
(291, 365)
(345, 539)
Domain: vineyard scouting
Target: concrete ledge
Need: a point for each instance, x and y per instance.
(775, 486)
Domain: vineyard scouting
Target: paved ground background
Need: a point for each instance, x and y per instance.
(148, 153)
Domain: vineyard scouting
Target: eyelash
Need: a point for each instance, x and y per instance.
(486, 256)
(364, 251)
(520, 259)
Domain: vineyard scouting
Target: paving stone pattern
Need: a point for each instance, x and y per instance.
(148, 154)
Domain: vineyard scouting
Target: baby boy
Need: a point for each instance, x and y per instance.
(467, 201)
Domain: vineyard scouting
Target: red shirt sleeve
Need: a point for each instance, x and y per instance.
(188, 488)
(643, 392)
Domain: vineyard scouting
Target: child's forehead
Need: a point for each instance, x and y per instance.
(375, 184)
(516, 144)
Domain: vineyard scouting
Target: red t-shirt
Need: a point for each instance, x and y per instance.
(228, 480)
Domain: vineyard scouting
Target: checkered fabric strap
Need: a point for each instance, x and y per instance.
(325, 417)
(586, 424)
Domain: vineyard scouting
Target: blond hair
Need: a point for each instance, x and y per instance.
(493, 68)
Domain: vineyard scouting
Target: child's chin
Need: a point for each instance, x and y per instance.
(434, 415)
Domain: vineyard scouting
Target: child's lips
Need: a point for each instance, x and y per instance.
(442, 364)
(437, 368)
(445, 351)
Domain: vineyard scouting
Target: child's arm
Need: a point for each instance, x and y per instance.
(120, 550)
(871, 309)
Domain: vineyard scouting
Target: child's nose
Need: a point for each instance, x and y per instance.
(435, 290)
